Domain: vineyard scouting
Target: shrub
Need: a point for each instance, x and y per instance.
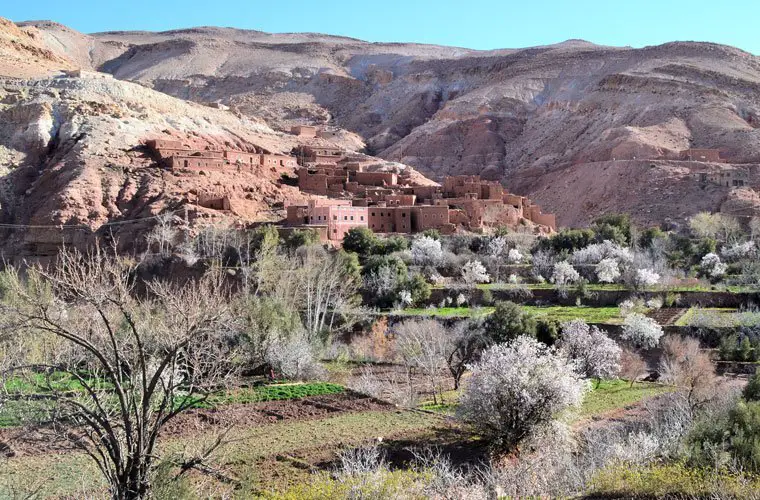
(641, 330)
(752, 389)
(486, 297)
(712, 267)
(548, 330)
(508, 321)
(733, 440)
(514, 256)
(292, 357)
(516, 389)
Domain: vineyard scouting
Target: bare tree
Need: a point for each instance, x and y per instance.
(632, 365)
(690, 369)
(163, 234)
(468, 342)
(424, 345)
(140, 359)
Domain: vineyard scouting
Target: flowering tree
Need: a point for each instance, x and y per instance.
(607, 270)
(496, 246)
(739, 251)
(426, 251)
(594, 353)
(641, 331)
(712, 266)
(596, 252)
(645, 277)
(473, 272)
(517, 388)
(564, 274)
(514, 256)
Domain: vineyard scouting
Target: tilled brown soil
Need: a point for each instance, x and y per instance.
(25, 441)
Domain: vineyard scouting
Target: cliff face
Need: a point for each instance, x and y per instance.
(534, 118)
(76, 166)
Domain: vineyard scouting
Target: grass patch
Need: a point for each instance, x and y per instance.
(613, 394)
(277, 392)
(672, 480)
(605, 315)
(74, 475)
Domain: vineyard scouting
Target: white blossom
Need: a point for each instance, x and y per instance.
(607, 270)
(426, 251)
(641, 331)
(564, 274)
(496, 246)
(739, 251)
(405, 298)
(712, 266)
(513, 279)
(645, 278)
(654, 303)
(514, 256)
(473, 272)
(461, 300)
(594, 353)
(596, 252)
(517, 388)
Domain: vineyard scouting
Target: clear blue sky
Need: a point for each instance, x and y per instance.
(479, 24)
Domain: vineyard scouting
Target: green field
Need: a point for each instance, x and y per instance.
(613, 394)
(262, 456)
(608, 395)
(14, 411)
(603, 315)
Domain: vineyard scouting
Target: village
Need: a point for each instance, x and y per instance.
(348, 191)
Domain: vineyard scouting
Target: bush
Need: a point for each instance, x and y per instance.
(517, 389)
(752, 389)
(733, 440)
(508, 321)
(301, 237)
(548, 330)
(568, 240)
(486, 297)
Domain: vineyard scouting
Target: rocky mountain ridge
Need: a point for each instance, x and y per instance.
(534, 118)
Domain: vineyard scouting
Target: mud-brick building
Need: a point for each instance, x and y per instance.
(726, 177)
(319, 155)
(303, 130)
(337, 216)
(704, 155)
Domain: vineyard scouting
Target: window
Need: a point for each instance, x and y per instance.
(403, 214)
(345, 217)
(335, 230)
(352, 217)
(361, 217)
(373, 214)
(335, 217)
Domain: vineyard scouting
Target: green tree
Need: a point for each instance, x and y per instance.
(360, 240)
(419, 288)
(508, 321)
(752, 389)
(614, 227)
(301, 237)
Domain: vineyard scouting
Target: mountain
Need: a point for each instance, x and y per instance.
(580, 128)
